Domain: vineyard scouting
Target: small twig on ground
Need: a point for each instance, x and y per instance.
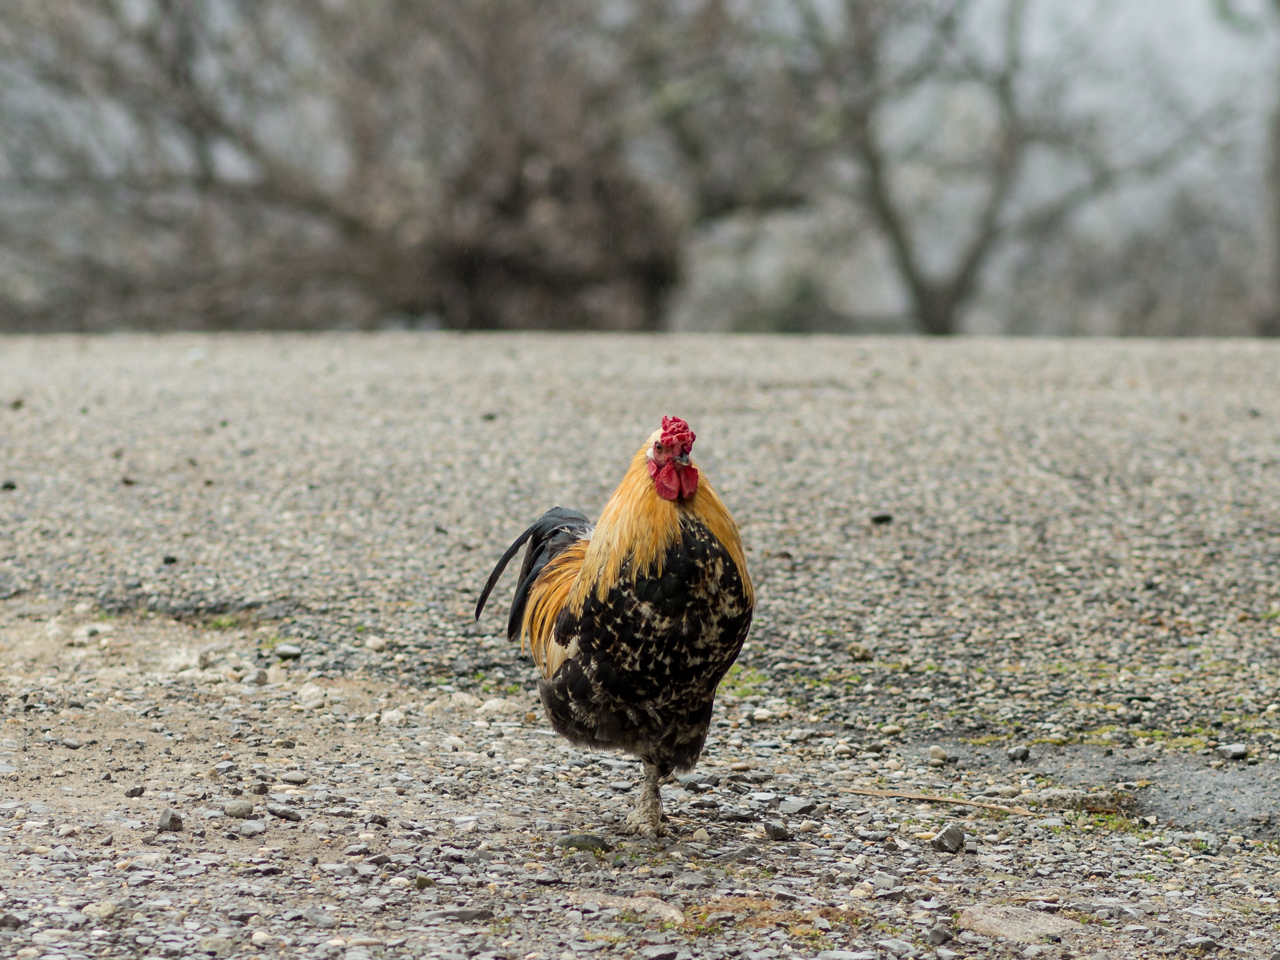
(926, 797)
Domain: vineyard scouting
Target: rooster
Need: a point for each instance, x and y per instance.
(634, 620)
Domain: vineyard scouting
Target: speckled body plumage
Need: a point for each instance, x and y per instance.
(651, 654)
(634, 621)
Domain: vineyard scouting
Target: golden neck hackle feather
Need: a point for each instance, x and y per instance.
(636, 525)
(640, 526)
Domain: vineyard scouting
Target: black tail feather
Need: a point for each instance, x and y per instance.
(497, 571)
(551, 533)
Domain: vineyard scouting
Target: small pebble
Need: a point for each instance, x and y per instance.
(949, 839)
(776, 830)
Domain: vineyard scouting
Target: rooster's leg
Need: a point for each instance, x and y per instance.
(646, 819)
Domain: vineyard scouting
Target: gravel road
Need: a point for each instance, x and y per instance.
(1032, 586)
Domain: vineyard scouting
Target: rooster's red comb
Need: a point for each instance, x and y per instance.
(676, 435)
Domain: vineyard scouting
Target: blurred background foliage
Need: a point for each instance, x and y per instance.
(935, 166)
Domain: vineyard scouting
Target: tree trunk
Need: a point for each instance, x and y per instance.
(1269, 326)
(936, 311)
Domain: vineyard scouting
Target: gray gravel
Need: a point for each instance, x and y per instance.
(239, 571)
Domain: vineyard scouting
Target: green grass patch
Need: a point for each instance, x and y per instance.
(239, 620)
(986, 741)
(739, 682)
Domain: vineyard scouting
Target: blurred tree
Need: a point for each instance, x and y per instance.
(929, 113)
(1250, 18)
(243, 163)
(509, 163)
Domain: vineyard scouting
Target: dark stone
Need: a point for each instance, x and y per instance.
(777, 831)
(800, 807)
(238, 809)
(894, 946)
(949, 839)
(318, 918)
(939, 935)
(585, 841)
(283, 812)
(1018, 754)
(693, 881)
(170, 821)
(1201, 943)
(468, 914)
(135, 791)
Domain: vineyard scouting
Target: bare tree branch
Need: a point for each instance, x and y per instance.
(410, 157)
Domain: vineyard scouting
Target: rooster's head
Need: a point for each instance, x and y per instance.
(674, 475)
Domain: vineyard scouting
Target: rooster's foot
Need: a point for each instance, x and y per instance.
(642, 825)
(646, 818)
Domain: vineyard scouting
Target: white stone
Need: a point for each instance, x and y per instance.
(309, 692)
(1015, 923)
(499, 706)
